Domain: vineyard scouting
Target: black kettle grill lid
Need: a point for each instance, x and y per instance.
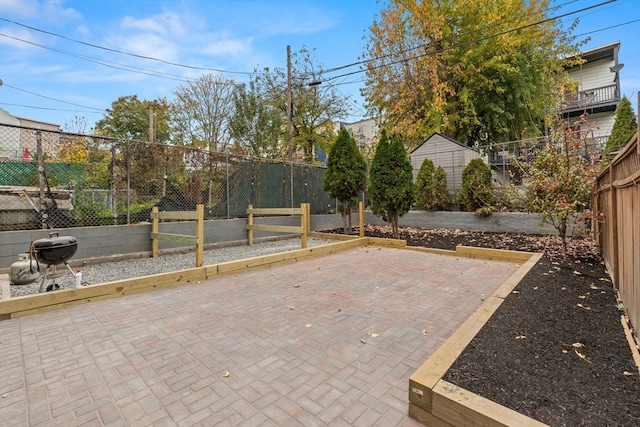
(55, 241)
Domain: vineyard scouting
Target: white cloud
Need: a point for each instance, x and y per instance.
(145, 44)
(167, 23)
(14, 37)
(47, 10)
(83, 30)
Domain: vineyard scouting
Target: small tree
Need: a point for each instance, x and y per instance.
(391, 187)
(560, 181)
(624, 127)
(476, 186)
(431, 187)
(346, 174)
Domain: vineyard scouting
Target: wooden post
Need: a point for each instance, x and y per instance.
(154, 229)
(200, 235)
(361, 217)
(250, 231)
(304, 223)
(613, 228)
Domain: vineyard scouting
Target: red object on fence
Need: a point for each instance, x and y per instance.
(25, 154)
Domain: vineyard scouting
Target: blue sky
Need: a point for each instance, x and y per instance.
(45, 78)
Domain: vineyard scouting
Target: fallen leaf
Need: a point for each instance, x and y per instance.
(515, 292)
(308, 325)
(363, 341)
(296, 286)
(292, 308)
(577, 273)
(577, 345)
(580, 355)
(564, 351)
(625, 373)
(535, 288)
(520, 337)
(424, 332)
(581, 296)
(226, 374)
(564, 288)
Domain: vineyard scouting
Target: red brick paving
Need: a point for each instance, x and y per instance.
(327, 341)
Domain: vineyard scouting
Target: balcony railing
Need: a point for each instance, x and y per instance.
(592, 97)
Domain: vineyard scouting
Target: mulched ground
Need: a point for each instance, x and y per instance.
(555, 350)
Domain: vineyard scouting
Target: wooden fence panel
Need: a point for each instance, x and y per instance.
(617, 196)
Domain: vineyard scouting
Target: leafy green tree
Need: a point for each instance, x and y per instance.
(129, 119)
(391, 187)
(346, 174)
(431, 187)
(624, 127)
(315, 108)
(560, 180)
(454, 67)
(201, 111)
(256, 126)
(476, 186)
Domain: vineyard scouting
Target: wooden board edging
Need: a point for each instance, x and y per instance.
(460, 407)
(430, 398)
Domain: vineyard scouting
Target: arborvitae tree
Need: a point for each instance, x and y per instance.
(442, 198)
(431, 187)
(624, 128)
(476, 186)
(391, 187)
(346, 174)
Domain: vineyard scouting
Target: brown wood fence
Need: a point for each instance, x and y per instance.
(617, 196)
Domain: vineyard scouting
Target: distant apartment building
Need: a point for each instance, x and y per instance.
(365, 132)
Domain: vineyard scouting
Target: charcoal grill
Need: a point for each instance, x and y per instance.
(54, 251)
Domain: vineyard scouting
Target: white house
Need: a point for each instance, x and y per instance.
(597, 93)
(446, 152)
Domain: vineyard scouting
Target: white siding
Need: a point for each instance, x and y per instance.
(593, 75)
(452, 157)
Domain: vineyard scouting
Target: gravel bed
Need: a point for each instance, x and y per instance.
(93, 274)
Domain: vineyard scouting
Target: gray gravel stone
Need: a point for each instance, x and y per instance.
(93, 274)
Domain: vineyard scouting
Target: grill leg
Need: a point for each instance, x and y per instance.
(44, 278)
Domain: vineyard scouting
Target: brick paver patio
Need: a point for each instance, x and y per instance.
(326, 341)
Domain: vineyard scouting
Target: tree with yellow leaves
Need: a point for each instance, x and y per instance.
(475, 71)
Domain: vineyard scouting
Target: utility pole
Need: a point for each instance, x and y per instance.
(289, 105)
(150, 125)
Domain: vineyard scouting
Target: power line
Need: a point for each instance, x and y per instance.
(608, 28)
(53, 99)
(103, 63)
(465, 43)
(364, 61)
(192, 67)
(50, 109)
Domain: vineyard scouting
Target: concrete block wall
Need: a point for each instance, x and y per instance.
(110, 242)
(499, 222)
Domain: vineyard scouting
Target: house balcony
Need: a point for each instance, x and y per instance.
(592, 101)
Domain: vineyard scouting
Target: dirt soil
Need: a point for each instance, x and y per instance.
(555, 350)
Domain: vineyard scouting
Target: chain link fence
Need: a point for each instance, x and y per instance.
(54, 179)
